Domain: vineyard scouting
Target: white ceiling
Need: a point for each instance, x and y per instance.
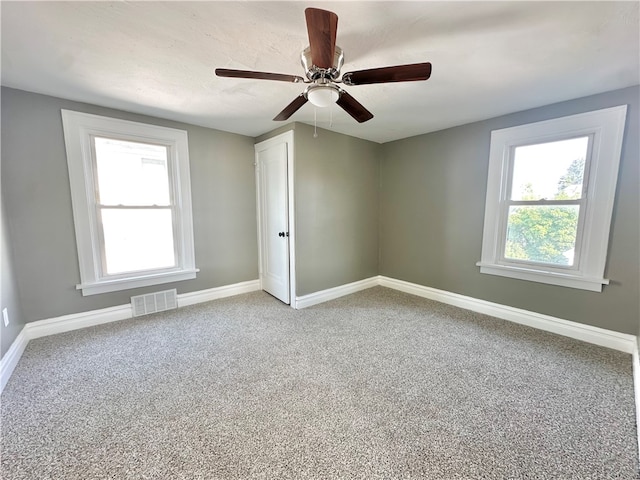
(158, 58)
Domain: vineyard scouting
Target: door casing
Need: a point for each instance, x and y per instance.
(288, 139)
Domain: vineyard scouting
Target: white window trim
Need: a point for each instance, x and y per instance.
(607, 128)
(78, 129)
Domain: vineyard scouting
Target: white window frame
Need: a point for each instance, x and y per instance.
(606, 129)
(79, 128)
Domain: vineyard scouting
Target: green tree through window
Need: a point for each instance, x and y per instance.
(547, 233)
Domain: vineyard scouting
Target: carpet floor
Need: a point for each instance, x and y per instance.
(374, 385)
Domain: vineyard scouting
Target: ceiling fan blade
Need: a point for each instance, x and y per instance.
(225, 72)
(292, 108)
(322, 26)
(353, 107)
(400, 73)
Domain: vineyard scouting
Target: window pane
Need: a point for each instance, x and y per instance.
(131, 173)
(551, 171)
(137, 240)
(545, 234)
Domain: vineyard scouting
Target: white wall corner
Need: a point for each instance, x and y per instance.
(12, 357)
(335, 292)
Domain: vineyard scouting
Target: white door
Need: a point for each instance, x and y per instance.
(274, 219)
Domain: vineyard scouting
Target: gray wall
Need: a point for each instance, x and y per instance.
(432, 199)
(336, 207)
(35, 187)
(10, 298)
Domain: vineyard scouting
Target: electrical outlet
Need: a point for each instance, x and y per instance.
(5, 317)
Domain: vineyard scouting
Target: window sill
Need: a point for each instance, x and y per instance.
(562, 279)
(106, 286)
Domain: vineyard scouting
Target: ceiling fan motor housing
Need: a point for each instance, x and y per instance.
(314, 73)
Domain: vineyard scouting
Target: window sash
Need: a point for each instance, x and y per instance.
(103, 274)
(98, 207)
(504, 225)
(171, 170)
(509, 173)
(506, 203)
(504, 260)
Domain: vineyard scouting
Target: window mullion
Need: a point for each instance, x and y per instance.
(544, 203)
(136, 207)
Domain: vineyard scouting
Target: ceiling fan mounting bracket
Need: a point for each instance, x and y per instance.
(346, 79)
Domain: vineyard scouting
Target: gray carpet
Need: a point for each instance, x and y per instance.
(378, 384)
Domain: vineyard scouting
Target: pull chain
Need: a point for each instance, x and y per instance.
(315, 122)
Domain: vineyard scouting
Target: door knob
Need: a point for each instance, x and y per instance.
(281, 234)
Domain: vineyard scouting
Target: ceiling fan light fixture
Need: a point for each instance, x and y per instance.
(323, 95)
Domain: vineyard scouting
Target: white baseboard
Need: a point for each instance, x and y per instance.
(335, 292)
(11, 358)
(191, 298)
(75, 321)
(636, 389)
(587, 333)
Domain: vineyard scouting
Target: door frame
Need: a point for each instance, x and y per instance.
(286, 138)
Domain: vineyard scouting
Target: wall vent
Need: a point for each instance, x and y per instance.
(154, 302)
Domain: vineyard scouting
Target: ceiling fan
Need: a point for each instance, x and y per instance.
(322, 61)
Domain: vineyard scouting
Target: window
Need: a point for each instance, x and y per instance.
(550, 194)
(131, 200)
